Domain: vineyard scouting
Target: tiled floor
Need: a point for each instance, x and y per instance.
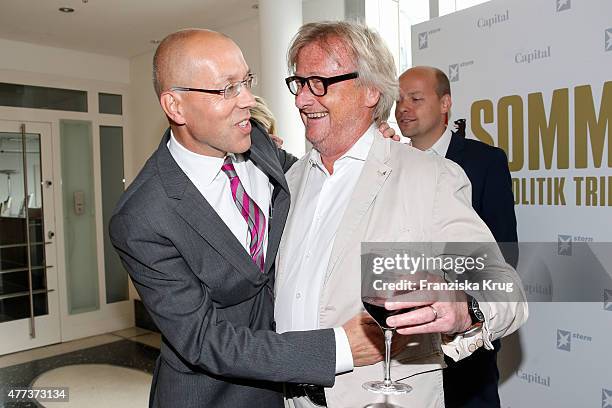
(133, 348)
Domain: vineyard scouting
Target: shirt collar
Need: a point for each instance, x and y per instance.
(204, 168)
(441, 146)
(358, 151)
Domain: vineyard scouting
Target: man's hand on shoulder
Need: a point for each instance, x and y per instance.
(279, 142)
(388, 132)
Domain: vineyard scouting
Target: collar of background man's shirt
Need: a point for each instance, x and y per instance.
(441, 146)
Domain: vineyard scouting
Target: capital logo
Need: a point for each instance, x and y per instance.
(608, 300)
(564, 340)
(563, 5)
(423, 43)
(564, 245)
(606, 398)
(453, 72)
(608, 39)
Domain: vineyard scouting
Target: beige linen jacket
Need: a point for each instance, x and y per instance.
(402, 195)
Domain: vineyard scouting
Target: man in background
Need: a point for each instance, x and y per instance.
(422, 112)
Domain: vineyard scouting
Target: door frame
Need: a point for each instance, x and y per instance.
(16, 334)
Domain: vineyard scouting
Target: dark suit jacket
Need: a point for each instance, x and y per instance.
(211, 303)
(472, 382)
(492, 198)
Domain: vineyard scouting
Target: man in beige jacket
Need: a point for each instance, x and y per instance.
(355, 186)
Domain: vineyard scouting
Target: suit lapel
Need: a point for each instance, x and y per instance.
(279, 207)
(197, 212)
(375, 172)
(455, 148)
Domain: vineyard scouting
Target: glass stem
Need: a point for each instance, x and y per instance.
(388, 338)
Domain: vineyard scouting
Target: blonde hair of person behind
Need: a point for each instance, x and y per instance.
(373, 60)
(262, 113)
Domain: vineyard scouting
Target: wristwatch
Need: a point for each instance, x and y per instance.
(474, 310)
(476, 327)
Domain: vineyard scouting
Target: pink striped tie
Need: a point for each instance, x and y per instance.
(252, 214)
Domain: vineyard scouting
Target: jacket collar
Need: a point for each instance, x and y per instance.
(456, 146)
(200, 215)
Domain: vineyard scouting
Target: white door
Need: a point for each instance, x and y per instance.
(29, 297)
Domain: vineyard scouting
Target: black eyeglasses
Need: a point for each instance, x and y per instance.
(318, 85)
(230, 91)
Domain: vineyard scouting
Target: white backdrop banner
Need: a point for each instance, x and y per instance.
(535, 78)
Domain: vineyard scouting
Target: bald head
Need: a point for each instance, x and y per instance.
(179, 55)
(439, 78)
(424, 105)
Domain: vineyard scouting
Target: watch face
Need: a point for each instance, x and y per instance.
(476, 312)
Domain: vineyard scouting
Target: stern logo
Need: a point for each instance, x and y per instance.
(606, 398)
(423, 41)
(564, 245)
(608, 43)
(608, 300)
(563, 5)
(564, 340)
(453, 72)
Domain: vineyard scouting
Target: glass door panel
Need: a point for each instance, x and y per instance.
(28, 297)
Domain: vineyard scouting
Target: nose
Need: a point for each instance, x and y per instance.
(304, 97)
(246, 99)
(403, 106)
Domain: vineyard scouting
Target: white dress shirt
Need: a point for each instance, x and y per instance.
(205, 173)
(317, 213)
(441, 146)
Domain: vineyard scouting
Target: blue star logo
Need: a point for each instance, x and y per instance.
(423, 41)
(564, 5)
(453, 72)
(564, 340)
(606, 398)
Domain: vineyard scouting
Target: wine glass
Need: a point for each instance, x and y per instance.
(373, 296)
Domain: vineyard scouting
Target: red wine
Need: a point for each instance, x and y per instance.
(376, 308)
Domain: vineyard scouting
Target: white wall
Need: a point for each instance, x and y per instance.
(322, 10)
(22, 56)
(147, 118)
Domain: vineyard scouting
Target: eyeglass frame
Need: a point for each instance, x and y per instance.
(326, 81)
(250, 77)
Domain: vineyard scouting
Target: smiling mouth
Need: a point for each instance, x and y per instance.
(316, 115)
(243, 124)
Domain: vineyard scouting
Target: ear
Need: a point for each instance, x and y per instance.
(372, 97)
(172, 105)
(446, 103)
